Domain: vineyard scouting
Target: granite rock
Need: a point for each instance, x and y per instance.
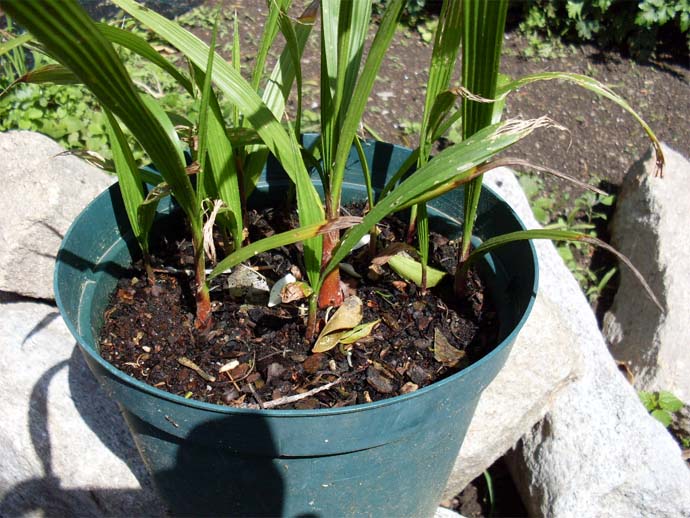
(43, 192)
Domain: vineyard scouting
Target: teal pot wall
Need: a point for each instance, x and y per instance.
(388, 458)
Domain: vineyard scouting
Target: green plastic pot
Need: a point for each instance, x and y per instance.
(388, 458)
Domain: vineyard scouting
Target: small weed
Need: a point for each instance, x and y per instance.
(661, 405)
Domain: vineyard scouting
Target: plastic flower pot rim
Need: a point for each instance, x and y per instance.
(221, 409)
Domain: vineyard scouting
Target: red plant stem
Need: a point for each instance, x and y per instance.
(150, 276)
(311, 322)
(330, 293)
(203, 318)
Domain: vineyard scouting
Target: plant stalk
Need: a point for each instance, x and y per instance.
(330, 293)
(204, 319)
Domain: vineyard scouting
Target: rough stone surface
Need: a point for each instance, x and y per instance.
(650, 227)
(442, 512)
(41, 194)
(597, 452)
(64, 447)
(542, 362)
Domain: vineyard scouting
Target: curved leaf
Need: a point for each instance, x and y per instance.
(594, 86)
(74, 40)
(452, 167)
(558, 235)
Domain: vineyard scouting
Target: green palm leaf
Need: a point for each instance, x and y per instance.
(74, 40)
(256, 114)
(556, 235)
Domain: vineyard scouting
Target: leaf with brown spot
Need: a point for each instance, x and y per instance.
(295, 291)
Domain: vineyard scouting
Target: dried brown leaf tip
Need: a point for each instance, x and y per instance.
(444, 352)
(295, 291)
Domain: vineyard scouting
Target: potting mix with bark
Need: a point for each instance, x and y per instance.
(256, 356)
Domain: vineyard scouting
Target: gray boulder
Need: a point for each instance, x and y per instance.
(543, 361)
(42, 193)
(64, 447)
(597, 452)
(650, 227)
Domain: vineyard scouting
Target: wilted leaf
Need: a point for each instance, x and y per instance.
(275, 297)
(328, 342)
(348, 316)
(444, 352)
(359, 332)
(295, 291)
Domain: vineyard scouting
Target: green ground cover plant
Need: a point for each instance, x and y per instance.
(662, 405)
(635, 26)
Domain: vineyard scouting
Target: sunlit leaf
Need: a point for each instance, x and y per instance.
(598, 88)
(130, 183)
(667, 401)
(284, 238)
(558, 235)
(348, 316)
(411, 270)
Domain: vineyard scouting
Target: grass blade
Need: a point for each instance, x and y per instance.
(436, 105)
(278, 89)
(7, 46)
(257, 115)
(214, 143)
(443, 56)
(361, 92)
(450, 168)
(275, 8)
(203, 123)
(482, 40)
(292, 46)
(284, 238)
(129, 180)
(236, 63)
(53, 73)
(140, 46)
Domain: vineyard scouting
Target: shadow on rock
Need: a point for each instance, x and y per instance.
(103, 417)
(187, 471)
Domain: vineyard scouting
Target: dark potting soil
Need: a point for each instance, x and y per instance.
(255, 356)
